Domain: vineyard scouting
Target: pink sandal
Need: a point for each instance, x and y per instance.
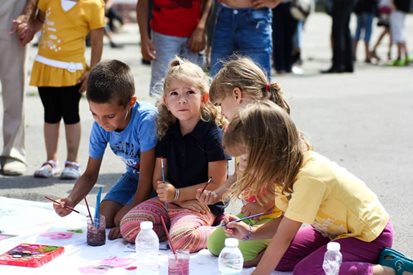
(48, 169)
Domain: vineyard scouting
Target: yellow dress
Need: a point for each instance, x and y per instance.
(63, 40)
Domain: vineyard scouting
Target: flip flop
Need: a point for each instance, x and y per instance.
(396, 260)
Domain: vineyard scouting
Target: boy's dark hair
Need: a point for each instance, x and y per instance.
(110, 81)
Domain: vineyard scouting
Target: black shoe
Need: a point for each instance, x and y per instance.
(146, 62)
(332, 70)
(115, 46)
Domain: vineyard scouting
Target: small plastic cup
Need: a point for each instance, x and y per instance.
(178, 264)
(96, 234)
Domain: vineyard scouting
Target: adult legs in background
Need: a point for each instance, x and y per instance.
(284, 27)
(237, 31)
(342, 60)
(12, 77)
(167, 47)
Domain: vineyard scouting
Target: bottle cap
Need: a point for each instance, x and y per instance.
(231, 242)
(335, 246)
(146, 225)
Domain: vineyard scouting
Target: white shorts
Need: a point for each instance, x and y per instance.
(397, 26)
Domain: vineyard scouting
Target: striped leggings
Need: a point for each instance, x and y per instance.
(187, 229)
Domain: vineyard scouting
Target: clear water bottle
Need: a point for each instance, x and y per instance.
(147, 249)
(230, 260)
(332, 259)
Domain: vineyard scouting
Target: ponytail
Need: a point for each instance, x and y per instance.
(273, 92)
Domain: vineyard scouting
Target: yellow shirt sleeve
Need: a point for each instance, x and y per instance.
(42, 4)
(96, 16)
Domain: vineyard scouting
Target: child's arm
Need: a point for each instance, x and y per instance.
(96, 42)
(147, 48)
(197, 40)
(278, 245)
(82, 187)
(147, 164)
(281, 231)
(213, 196)
(167, 192)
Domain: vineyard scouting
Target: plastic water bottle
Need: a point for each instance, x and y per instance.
(332, 259)
(147, 249)
(230, 260)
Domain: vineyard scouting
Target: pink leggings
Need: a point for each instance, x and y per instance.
(188, 229)
(306, 252)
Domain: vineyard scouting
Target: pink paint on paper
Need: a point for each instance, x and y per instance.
(57, 235)
(104, 265)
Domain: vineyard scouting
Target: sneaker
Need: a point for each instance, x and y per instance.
(48, 169)
(13, 167)
(71, 171)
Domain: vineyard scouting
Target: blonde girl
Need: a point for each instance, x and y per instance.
(309, 189)
(240, 82)
(189, 152)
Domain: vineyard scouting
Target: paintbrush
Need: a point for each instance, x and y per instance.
(66, 206)
(206, 184)
(244, 218)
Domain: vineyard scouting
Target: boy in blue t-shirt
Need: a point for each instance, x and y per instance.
(129, 127)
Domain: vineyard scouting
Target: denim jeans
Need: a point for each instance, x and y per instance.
(167, 48)
(364, 23)
(243, 31)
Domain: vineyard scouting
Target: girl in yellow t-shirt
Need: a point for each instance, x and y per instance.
(312, 190)
(60, 72)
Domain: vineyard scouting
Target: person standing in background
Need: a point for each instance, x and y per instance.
(242, 27)
(342, 61)
(178, 28)
(12, 77)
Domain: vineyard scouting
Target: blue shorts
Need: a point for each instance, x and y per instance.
(124, 189)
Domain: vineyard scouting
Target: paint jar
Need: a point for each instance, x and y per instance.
(96, 234)
(178, 264)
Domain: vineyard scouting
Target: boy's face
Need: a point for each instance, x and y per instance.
(111, 116)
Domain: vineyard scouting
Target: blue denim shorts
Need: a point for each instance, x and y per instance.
(124, 189)
(246, 32)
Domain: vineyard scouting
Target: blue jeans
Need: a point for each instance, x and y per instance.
(364, 22)
(167, 48)
(243, 31)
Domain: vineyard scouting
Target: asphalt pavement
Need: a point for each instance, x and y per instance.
(363, 121)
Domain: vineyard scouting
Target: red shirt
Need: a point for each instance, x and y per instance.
(175, 18)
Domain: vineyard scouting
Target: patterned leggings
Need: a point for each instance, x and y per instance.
(187, 229)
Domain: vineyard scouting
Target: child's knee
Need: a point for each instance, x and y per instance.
(191, 239)
(216, 242)
(129, 228)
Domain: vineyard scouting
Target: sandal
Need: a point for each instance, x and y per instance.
(48, 169)
(396, 260)
(71, 170)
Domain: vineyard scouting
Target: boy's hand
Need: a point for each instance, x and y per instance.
(194, 205)
(83, 80)
(166, 191)
(252, 208)
(60, 208)
(207, 197)
(114, 233)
